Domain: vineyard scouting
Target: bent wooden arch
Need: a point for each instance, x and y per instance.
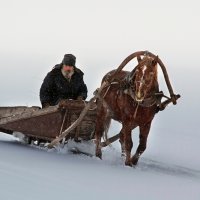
(147, 53)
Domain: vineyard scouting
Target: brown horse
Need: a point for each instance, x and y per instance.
(130, 99)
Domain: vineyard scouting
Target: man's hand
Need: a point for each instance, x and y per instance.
(45, 105)
(80, 98)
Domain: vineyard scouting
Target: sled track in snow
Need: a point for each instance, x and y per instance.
(154, 166)
(168, 169)
(113, 158)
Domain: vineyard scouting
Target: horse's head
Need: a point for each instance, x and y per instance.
(143, 77)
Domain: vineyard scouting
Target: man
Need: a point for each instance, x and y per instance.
(65, 81)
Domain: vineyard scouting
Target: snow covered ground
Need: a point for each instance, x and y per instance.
(164, 172)
(169, 168)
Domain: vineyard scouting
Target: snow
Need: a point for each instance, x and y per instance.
(30, 173)
(169, 168)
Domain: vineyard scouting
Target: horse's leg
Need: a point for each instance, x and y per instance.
(99, 130)
(144, 132)
(128, 143)
(121, 140)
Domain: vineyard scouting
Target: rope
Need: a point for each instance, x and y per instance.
(61, 128)
(136, 111)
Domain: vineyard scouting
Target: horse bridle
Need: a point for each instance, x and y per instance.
(129, 82)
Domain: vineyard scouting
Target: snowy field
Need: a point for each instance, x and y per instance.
(168, 170)
(164, 172)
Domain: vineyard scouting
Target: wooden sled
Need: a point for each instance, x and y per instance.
(47, 124)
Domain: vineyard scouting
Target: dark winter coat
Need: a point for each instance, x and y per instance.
(56, 87)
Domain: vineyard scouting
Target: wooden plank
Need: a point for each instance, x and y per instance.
(46, 123)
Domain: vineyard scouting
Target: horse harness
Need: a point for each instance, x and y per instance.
(125, 87)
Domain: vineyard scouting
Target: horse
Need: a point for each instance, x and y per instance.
(131, 100)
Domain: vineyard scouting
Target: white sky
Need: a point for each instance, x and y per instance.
(98, 28)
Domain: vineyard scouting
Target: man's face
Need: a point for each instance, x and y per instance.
(68, 68)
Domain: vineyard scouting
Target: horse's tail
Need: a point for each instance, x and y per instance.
(106, 128)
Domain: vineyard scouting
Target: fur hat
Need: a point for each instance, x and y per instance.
(69, 59)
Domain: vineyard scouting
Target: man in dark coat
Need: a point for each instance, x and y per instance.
(65, 81)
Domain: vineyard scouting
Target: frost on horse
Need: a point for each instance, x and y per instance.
(130, 99)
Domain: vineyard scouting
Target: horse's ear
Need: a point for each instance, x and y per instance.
(155, 61)
(139, 59)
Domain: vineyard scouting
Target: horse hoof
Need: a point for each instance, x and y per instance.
(135, 163)
(128, 163)
(99, 155)
(134, 160)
